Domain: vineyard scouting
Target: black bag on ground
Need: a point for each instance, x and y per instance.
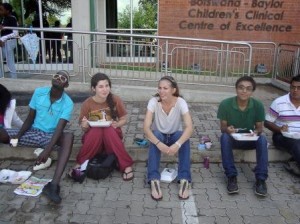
(101, 166)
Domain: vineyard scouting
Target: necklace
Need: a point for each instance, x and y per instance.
(168, 107)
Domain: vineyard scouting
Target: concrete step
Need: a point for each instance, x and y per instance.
(141, 154)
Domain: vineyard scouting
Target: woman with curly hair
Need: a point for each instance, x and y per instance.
(8, 115)
(104, 105)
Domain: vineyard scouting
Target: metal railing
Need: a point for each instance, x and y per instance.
(147, 57)
(287, 61)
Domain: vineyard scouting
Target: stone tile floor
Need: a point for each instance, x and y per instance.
(114, 201)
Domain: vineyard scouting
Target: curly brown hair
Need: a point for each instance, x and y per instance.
(94, 81)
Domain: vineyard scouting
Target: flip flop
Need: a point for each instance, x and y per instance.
(155, 185)
(126, 174)
(141, 142)
(184, 186)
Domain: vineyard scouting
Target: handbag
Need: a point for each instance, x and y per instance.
(101, 166)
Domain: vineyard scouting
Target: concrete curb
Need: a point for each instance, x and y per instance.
(141, 155)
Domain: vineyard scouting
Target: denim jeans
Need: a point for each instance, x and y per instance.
(228, 143)
(292, 146)
(184, 166)
(9, 53)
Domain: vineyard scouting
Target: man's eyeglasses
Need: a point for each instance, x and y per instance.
(293, 88)
(61, 78)
(245, 88)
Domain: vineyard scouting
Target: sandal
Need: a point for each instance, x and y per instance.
(125, 174)
(155, 186)
(141, 142)
(183, 189)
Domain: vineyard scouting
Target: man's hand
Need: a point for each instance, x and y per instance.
(42, 158)
(284, 128)
(230, 129)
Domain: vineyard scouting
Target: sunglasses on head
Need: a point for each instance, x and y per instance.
(170, 79)
(61, 78)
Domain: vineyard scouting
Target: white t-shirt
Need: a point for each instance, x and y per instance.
(167, 123)
(283, 112)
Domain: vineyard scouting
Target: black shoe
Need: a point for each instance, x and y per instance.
(52, 192)
(292, 167)
(261, 188)
(232, 186)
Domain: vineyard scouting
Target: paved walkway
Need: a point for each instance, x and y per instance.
(115, 201)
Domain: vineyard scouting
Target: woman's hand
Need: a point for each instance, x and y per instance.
(173, 150)
(84, 124)
(115, 124)
(163, 148)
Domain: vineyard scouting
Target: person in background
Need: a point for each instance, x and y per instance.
(8, 114)
(284, 117)
(104, 105)
(36, 24)
(163, 127)
(8, 41)
(56, 43)
(50, 111)
(242, 113)
(69, 44)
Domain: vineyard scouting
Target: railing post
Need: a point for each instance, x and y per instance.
(166, 57)
(226, 61)
(250, 59)
(297, 58)
(2, 65)
(83, 58)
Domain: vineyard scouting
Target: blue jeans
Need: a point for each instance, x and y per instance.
(292, 146)
(228, 143)
(9, 53)
(184, 166)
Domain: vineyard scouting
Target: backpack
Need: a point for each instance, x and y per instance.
(260, 68)
(101, 166)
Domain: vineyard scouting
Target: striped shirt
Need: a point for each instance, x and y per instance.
(283, 112)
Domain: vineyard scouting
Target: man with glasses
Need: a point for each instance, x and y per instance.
(283, 119)
(50, 111)
(243, 114)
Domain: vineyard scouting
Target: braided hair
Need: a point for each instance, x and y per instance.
(94, 81)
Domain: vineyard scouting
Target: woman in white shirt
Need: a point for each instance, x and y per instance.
(8, 115)
(163, 128)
